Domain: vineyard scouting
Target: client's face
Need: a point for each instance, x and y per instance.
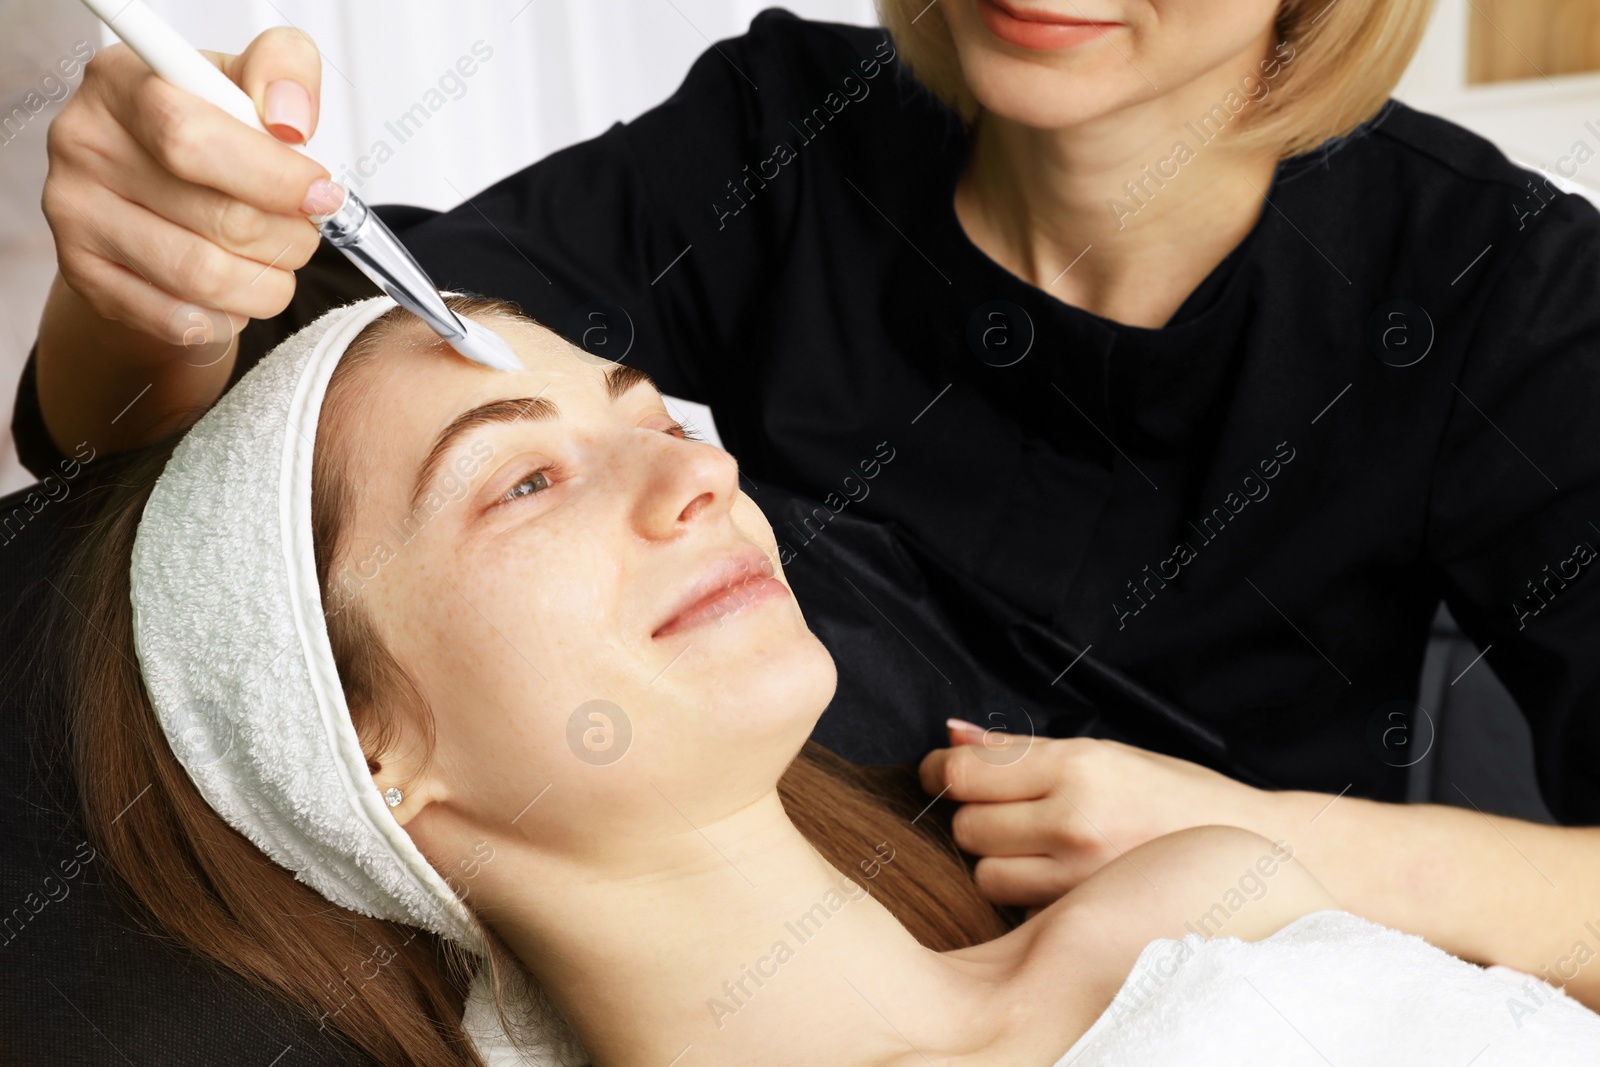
(585, 598)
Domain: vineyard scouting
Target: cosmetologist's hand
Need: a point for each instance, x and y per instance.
(1042, 814)
(169, 215)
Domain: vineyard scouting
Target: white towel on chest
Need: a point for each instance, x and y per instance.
(1332, 990)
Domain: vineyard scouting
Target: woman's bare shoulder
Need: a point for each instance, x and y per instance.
(1214, 881)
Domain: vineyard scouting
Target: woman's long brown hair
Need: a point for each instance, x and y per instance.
(393, 992)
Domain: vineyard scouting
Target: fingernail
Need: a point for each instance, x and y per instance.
(288, 111)
(965, 733)
(322, 198)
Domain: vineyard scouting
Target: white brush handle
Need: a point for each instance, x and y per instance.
(174, 59)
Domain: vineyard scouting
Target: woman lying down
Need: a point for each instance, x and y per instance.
(501, 666)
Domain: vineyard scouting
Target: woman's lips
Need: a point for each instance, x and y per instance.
(1037, 29)
(731, 585)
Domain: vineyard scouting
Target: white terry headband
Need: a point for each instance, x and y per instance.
(231, 639)
(228, 627)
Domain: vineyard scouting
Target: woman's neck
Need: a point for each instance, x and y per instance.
(1110, 215)
(739, 940)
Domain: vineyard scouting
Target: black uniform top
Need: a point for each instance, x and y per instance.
(1224, 537)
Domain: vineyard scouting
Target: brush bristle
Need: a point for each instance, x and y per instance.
(482, 345)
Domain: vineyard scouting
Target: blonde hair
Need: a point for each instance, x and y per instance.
(1348, 56)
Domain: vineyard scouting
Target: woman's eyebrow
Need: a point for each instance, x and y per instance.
(619, 380)
(518, 409)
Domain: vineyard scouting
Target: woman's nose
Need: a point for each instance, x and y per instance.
(684, 483)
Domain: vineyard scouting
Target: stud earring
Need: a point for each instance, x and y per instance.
(392, 797)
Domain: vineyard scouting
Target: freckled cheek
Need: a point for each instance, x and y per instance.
(556, 593)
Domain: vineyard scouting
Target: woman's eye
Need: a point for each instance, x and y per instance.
(536, 482)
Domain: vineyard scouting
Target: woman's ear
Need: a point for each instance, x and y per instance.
(404, 783)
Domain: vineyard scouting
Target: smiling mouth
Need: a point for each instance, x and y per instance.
(1040, 30)
(730, 585)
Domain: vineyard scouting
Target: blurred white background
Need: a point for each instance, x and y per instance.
(559, 71)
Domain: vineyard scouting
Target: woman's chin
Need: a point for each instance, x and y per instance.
(783, 671)
(1032, 94)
